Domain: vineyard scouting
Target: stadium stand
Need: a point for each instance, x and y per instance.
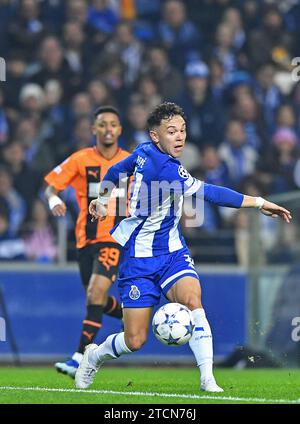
(227, 63)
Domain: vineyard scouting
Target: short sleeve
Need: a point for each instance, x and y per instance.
(62, 176)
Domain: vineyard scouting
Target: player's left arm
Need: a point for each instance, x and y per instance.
(224, 196)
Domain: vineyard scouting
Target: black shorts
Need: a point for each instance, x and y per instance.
(99, 258)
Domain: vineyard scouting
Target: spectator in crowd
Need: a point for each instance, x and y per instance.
(146, 92)
(32, 101)
(82, 136)
(251, 12)
(167, 77)
(217, 79)
(214, 170)
(15, 78)
(111, 70)
(124, 45)
(53, 65)
(280, 161)
(239, 157)
(25, 180)
(27, 29)
(204, 116)
(224, 49)
(99, 93)
(11, 247)
(268, 94)
(39, 239)
(136, 132)
(81, 106)
(270, 37)
(55, 111)
(12, 201)
(232, 17)
(285, 117)
(75, 49)
(177, 34)
(36, 141)
(77, 11)
(102, 17)
(246, 109)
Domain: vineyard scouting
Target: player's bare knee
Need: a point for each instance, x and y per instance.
(96, 295)
(192, 302)
(135, 343)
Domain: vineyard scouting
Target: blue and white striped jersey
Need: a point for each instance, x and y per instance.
(160, 183)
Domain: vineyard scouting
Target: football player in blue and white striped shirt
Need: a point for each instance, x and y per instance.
(155, 257)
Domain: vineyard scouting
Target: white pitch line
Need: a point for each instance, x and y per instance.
(151, 394)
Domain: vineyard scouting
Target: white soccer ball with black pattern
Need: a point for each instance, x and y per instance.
(173, 324)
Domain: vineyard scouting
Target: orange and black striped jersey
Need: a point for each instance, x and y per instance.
(84, 170)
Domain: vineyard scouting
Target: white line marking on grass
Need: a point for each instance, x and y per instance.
(151, 394)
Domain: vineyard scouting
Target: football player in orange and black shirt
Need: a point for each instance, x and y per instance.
(98, 253)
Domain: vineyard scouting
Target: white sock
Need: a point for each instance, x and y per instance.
(113, 347)
(77, 357)
(201, 344)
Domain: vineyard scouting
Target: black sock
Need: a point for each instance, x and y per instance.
(91, 326)
(113, 308)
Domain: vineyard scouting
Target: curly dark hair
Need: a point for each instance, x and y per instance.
(165, 110)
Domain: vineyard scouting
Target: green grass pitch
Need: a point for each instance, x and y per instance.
(150, 386)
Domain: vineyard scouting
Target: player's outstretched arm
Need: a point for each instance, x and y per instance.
(56, 205)
(224, 196)
(266, 207)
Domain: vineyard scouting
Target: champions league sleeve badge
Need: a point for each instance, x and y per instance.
(183, 172)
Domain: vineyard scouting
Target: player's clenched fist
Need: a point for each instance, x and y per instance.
(98, 210)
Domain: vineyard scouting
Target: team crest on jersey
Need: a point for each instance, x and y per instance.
(183, 172)
(134, 293)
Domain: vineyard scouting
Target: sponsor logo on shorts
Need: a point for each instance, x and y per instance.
(134, 293)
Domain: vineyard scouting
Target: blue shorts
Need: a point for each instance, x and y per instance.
(142, 280)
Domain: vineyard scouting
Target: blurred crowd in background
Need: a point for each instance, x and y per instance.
(227, 63)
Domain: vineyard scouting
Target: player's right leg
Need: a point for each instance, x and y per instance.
(139, 294)
(136, 325)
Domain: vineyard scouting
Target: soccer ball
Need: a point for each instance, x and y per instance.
(173, 324)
